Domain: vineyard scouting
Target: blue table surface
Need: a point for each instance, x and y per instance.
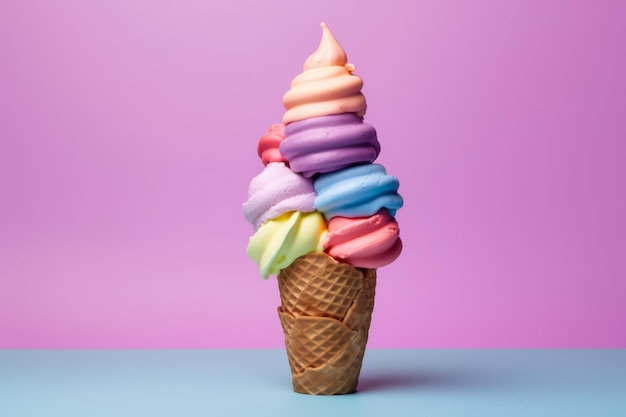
(258, 383)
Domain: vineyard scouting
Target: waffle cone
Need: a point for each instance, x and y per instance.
(325, 314)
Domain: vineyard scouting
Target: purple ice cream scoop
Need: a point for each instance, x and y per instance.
(329, 143)
(277, 190)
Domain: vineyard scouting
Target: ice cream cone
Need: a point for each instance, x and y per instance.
(325, 314)
(323, 218)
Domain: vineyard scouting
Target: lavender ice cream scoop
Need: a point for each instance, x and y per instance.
(329, 143)
(277, 190)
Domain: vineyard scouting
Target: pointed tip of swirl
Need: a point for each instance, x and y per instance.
(329, 52)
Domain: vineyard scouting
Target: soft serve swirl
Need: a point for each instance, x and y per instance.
(328, 143)
(357, 191)
(283, 239)
(320, 190)
(369, 242)
(326, 86)
(268, 148)
(275, 191)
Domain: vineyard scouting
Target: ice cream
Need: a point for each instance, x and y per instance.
(283, 239)
(326, 86)
(371, 242)
(268, 148)
(328, 143)
(357, 191)
(275, 191)
(323, 220)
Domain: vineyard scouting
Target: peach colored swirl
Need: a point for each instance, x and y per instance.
(326, 86)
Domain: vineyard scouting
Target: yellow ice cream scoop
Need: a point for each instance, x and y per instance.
(279, 241)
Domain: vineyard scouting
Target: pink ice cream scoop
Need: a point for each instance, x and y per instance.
(329, 143)
(269, 143)
(364, 242)
(277, 190)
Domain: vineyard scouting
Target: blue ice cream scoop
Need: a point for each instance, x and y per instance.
(357, 191)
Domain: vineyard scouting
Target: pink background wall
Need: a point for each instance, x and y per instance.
(127, 140)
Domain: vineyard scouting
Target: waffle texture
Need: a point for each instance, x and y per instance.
(325, 314)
